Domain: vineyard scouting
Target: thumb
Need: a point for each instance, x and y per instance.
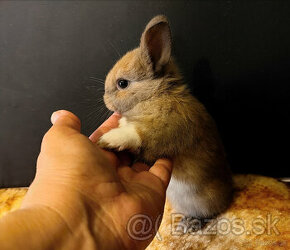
(162, 169)
(67, 119)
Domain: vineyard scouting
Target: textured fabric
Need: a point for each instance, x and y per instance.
(258, 201)
(10, 199)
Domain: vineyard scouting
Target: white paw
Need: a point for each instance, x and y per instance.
(112, 140)
(121, 138)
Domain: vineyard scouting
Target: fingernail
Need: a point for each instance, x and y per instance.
(55, 115)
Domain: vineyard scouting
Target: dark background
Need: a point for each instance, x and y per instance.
(234, 54)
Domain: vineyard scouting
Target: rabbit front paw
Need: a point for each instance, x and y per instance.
(120, 139)
(107, 141)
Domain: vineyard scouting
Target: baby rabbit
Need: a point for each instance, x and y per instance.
(160, 118)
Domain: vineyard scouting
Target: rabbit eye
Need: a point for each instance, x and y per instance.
(122, 84)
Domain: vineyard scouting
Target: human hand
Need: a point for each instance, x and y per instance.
(94, 191)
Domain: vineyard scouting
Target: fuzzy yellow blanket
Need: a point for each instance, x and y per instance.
(259, 218)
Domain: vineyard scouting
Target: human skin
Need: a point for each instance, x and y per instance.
(82, 196)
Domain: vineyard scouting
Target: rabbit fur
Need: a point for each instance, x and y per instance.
(161, 118)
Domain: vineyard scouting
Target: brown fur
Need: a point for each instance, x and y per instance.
(169, 120)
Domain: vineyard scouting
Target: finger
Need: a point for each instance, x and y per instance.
(162, 168)
(125, 173)
(66, 118)
(139, 167)
(110, 123)
(112, 157)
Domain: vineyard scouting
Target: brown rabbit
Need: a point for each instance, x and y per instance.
(160, 118)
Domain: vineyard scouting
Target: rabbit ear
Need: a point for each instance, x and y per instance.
(155, 43)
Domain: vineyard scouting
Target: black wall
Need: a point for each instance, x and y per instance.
(234, 54)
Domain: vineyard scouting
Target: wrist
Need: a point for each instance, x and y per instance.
(40, 227)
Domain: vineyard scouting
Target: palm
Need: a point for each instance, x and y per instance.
(137, 194)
